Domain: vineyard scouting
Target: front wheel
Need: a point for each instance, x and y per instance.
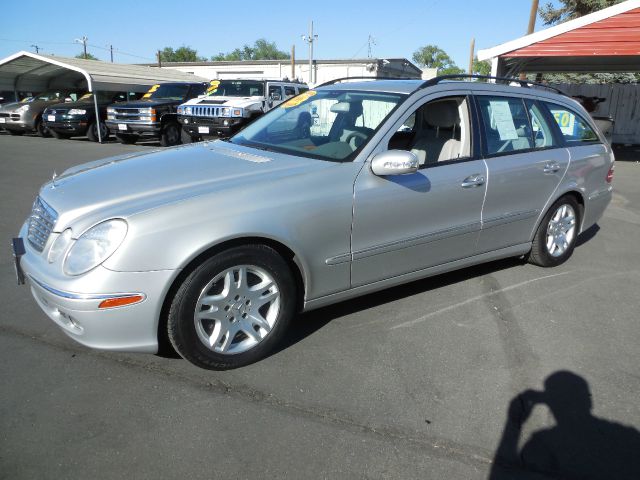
(233, 309)
(92, 131)
(41, 129)
(170, 135)
(59, 136)
(556, 236)
(186, 137)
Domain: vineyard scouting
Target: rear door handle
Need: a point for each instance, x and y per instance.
(475, 180)
(551, 168)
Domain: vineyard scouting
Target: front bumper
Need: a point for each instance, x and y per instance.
(18, 121)
(76, 127)
(72, 302)
(211, 126)
(142, 129)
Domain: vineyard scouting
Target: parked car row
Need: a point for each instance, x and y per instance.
(173, 113)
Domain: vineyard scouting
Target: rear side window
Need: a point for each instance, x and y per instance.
(289, 92)
(573, 127)
(506, 125)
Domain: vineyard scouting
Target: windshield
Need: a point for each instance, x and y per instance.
(167, 91)
(328, 125)
(62, 96)
(235, 88)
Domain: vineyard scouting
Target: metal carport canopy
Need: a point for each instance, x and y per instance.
(30, 72)
(604, 41)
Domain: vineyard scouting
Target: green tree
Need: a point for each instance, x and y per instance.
(432, 56)
(570, 9)
(88, 57)
(481, 67)
(262, 49)
(181, 54)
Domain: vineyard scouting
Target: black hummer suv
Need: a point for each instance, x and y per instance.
(75, 119)
(154, 115)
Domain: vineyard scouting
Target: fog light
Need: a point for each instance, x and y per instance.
(225, 123)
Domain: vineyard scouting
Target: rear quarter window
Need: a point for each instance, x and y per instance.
(573, 127)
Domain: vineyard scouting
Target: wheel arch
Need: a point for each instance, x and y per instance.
(293, 261)
(573, 192)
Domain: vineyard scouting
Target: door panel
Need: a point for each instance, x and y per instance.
(406, 223)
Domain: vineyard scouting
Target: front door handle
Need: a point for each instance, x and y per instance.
(551, 168)
(473, 181)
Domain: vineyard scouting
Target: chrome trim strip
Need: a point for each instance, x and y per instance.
(82, 296)
(509, 218)
(338, 259)
(418, 240)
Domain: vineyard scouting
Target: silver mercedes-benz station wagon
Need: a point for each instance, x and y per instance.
(346, 189)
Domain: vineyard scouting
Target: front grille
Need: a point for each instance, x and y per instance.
(4, 115)
(204, 111)
(41, 223)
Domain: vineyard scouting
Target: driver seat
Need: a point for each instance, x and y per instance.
(432, 146)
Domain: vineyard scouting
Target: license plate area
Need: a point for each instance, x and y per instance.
(122, 127)
(203, 129)
(51, 118)
(3, 120)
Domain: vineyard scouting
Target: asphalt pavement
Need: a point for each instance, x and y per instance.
(413, 382)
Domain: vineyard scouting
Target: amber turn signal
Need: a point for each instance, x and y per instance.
(120, 301)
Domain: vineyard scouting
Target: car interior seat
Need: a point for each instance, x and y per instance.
(438, 137)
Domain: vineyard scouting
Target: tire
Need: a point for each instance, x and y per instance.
(59, 136)
(15, 132)
(556, 236)
(170, 135)
(92, 132)
(126, 138)
(41, 129)
(186, 137)
(240, 330)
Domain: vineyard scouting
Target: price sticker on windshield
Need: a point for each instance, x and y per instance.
(151, 90)
(295, 101)
(213, 86)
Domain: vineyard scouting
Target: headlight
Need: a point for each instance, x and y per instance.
(94, 246)
(23, 108)
(188, 110)
(77, 111)
(60, 245)
(111, 110)
(147, 110)
(225, 112)
(180, 110)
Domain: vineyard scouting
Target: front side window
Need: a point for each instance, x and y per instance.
(573, 127)
(324, 124)
(506, 125)
(437, 131)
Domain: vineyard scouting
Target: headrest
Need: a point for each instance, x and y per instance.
(442, 114)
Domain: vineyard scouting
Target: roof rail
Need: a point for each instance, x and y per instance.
(523, 83)
(337, 80)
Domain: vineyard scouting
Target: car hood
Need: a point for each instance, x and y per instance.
(223, 101)
(146, 103)
(129, 184)
(80, 104)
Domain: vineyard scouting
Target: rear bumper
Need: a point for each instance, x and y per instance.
(595, 206)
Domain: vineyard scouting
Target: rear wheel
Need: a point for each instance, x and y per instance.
(92, 131)
(233, 309)
(126, 138)
(556, 236)
(170, 135)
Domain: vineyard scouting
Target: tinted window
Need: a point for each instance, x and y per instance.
(573, 127)
(289, 92)
(541, 130)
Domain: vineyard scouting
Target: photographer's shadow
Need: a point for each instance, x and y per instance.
(579, 446)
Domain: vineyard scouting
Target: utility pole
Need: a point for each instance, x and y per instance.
(293, 62)
(310, 39)
(159, 60)
(472, 55)
(37, 48)
(111, 50)
(370, 42)
(83, 41)
(532, 25)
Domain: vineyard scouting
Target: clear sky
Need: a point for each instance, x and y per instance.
(140, 28)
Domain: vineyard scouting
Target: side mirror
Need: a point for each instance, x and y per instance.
(394, 162)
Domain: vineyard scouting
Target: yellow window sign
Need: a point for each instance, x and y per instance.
(151, 90)
(213, 86)
(295, 101)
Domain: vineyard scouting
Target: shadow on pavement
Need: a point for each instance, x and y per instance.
(579, 446)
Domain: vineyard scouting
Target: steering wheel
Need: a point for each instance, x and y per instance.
(352, 135)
